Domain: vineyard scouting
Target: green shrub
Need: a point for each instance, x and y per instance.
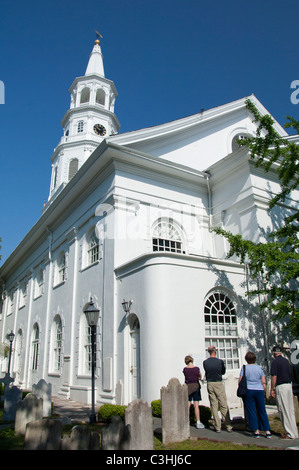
(106, 412)
(156, 408)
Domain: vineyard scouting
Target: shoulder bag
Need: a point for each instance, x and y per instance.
(242, 388)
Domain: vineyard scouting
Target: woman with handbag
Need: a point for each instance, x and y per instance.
(254, 400)
(192, 376)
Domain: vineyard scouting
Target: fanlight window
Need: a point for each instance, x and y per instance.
(236, 139)
(221, 328)
(166, 237)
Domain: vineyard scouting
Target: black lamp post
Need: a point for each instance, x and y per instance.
(126, 304)
(92, 316)
(11, 338)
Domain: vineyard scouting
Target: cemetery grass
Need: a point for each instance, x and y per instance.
(10, 441)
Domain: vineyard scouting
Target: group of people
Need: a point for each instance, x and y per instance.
(254, 400)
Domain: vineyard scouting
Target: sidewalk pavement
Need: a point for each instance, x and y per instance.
(80, 412)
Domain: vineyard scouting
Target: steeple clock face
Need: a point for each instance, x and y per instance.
(99, 129)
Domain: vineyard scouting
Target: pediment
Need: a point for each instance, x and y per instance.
(197, 141)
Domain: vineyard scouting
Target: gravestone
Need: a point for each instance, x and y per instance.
(44, 390)
(175, 412)
(138, 415)
(44, 434)
(27, 410)
(11, 398)
(80, 439)
(116, 436)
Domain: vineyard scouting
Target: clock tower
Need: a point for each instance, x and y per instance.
(89, 120)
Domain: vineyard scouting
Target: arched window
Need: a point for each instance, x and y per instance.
(236, 139)
(93, 247)
(85, 356)
(73, 167)
(54, 177)
(56, 345)
(221, 328)
(100, 96)
(167, 237)
(18, 355)
(35, 346)
(85, 93)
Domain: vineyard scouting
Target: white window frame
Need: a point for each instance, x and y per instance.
(221, 328)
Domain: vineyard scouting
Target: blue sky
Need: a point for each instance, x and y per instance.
(167, 58)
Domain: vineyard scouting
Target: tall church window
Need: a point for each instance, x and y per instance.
(167, 237)
(56, 344)
(100, 96)
(85, 94)
(85, 356)
(35, 347)
(80, 126)
(61, 269)
(18, 363)
(221, 328)
(93, 248)
(39, 282)
(23, 295)
(73, 167)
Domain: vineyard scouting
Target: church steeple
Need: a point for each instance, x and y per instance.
(89, 120)
(95, 64)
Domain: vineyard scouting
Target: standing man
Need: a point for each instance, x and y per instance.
(215, 369)
(281, 389)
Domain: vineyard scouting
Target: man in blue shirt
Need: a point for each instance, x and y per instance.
(281, 389)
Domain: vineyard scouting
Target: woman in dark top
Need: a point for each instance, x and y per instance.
(192, 376)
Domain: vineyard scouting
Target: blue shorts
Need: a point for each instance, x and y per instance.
(195, 396)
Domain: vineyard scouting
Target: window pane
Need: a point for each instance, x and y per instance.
(221, 328)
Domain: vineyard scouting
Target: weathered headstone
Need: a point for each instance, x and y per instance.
(175, 412)
(11, 398)
(139, 416)
(80, 439)
(116, 436)
(29, 409)
(44, 434)
(44, 390)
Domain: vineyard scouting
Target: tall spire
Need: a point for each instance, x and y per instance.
(95, 64)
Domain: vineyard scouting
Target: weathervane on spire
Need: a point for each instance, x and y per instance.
(98, 35)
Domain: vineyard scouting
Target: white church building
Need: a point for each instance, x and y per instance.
(129, 218)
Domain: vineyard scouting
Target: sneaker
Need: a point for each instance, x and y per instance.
(256, 435)
(268, 435)
(199, 425)
(285, 436)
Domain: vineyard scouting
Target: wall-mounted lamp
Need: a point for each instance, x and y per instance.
(127, 305)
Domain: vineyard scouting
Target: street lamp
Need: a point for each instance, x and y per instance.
(126, 304)
(92, 316)
(11, 338)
